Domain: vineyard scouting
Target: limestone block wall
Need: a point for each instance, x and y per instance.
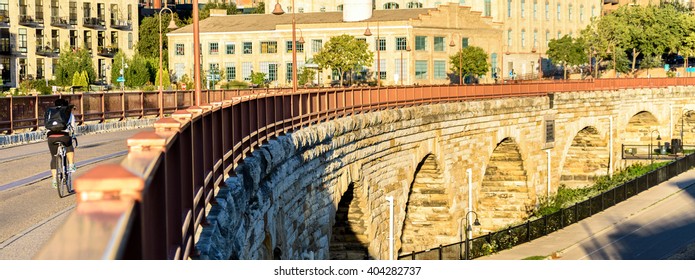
(282, 201)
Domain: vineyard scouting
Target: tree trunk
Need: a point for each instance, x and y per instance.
(634, 59)
(564, 70)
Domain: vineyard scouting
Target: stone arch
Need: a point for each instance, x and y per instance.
(349, 238)
(504, 193)
(427, 211)
(639, 128)
(686, 123)
(586, 158)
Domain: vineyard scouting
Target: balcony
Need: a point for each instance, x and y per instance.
(121, 24)
(61, 22)
(5, 50)
(107, 51)
(30, 21)
(47, 51)
(94, 23)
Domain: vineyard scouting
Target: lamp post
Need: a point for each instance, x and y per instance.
(452, 44)
(469, 230)
(658, 138)
(122, 72)
(196, 51)
(278, 11)
(172, 25)
(378, 52)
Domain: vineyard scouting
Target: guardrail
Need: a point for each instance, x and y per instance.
(155, 203)
(27, 111)
(531, 230)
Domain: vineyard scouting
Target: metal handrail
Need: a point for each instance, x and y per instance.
(170, 176)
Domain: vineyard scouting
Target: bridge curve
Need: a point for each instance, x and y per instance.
(274, 204)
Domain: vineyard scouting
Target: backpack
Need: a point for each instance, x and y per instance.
(56, 118)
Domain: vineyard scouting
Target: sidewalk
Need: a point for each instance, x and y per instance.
(569, 243)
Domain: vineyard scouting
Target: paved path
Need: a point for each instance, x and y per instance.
(30, 210)
(654, 225)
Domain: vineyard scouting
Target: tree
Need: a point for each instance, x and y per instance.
(567, 51)
(166, 81)
(148, 36)
(205, 11)
(118, 63)
(343, 54)
(306, 76)
(73, 61)
(259, 8)
(137, 74)
(258, 78)
(469, 61)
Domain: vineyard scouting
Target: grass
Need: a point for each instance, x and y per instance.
(566, 196)
(535, 258)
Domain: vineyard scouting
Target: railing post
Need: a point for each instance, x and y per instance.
(11, 115)
(440, 252)
(122, 105)
(103, 108)
(36, 111)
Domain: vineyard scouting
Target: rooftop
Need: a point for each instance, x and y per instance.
(266, 22)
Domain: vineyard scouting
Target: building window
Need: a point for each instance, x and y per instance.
(547, 11)
(488, 8)
(271, 70)
(558, 35)
(493, 65)
(593, 11)
(213, 48)
(73, 40)
(390, 6)
(509, 8)
(523, 8)
(230, 48)
(381, 44)
(535, 38)
(421, 69)
(401, 44)
(246, 69)
(523, 38)
(87, 9)
(559, 12)
(248, 49)
(438, 44)
(547, 38)
(414, 5)
(569, 12)
(22, 40)
(130, 40)
(464, 42)
(420, 43)
(316, 45)
(230, 70)
(402, 69)
(114, 38)
(382, 69)
(340, 8)
(22, 69)
(73, 13)
(440, 69)
(509, 38)
(180, 49)
(581, 13)
(288, 73)
(179, 70)
(39, 68)
(269, 47)
(300, 46)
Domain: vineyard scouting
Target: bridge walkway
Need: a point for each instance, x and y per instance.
(656, 224)
(30, 210)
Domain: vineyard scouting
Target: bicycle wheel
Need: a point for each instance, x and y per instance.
(62, 177)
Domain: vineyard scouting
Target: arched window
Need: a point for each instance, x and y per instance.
(509, 38)
(558, 11)
(414, 5)
(523, 8)
(593, 11)
(535, 9)
(547, 38)
(535, 38)
(488, 8)
(523, 38)
(509, 8)
(569, 12)
(547, 10)
(391, 6)
(581, 13)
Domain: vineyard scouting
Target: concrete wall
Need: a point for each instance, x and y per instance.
(282, 202)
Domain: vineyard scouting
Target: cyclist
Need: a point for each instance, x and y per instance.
(64, 136)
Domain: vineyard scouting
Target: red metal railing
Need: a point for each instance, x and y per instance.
(155, 203)
(26, 112)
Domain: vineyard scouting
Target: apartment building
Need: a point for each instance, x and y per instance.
(34, 32)
(528, 25)
(414, 45)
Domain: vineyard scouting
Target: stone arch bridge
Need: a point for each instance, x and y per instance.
(320, 192)
(225, 182)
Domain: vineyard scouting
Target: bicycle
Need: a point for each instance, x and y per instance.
(63, 175)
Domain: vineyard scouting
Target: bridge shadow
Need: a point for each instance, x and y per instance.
(349, 239)
(659, 231)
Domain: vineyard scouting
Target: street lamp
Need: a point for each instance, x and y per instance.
(452, 44)
(378, 52)
(172, 25)
(658, 138)
(122, 72)
(469, 230)
(278, 11)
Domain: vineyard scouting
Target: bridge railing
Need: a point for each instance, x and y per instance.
(26, 112)
(534, 229)
(154, 204)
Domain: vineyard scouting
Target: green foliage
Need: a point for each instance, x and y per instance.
(567, 51)
(306, 76)
(566, 196)
(118, 60)
(166, 80)
(344, 53)
(259, 8)
(234, 84)
(535, 258)
(185, 79)
(137, 74)
(258, 78)
(651, 62)
(472, 62)
(148, 35)
(71, 62)
(230, 7)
